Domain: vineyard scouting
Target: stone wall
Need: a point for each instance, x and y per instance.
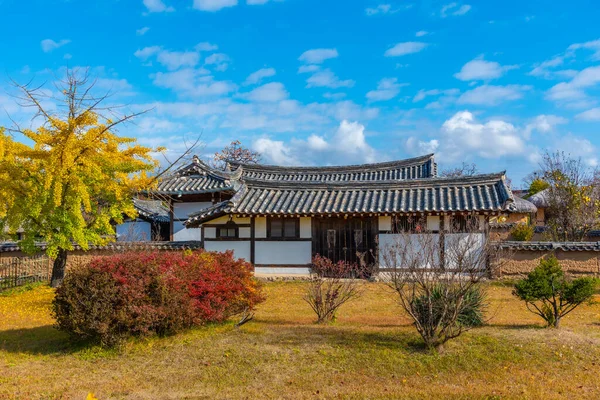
(520, 262)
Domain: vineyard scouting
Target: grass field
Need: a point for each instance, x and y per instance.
(370, 352)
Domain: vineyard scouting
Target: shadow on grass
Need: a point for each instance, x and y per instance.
(41, 340)
(346, 336)
(517, 326)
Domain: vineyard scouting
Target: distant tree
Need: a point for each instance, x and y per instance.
(536, 186)
(464, 169)
(235, 151)
(573, 197)
(547, 292)
(76, 178)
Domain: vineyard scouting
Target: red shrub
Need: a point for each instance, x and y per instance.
(159, 292)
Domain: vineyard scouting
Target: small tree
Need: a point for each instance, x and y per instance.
(536, 186)
(76, 178)
(331, 286)
(522, 232)
(573, 197)
(437, 278)
(235, 151)
(547, 293)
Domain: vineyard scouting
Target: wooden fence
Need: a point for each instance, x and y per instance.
(17, 271)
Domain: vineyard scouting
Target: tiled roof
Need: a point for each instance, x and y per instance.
(152, 209)
(412, 168)
(474, 193)
(119, 246)
(550, 246)
(198, 177)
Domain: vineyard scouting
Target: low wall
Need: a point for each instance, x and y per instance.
(576, 259)
(78, 256)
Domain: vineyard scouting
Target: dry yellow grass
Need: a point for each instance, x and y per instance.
(370, 352)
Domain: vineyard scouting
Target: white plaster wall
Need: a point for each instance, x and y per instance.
(282, 271)
(420, 247)
(392, 244)
(245, 232)
(305, 227)
(433, 223)
(282, 252)
(260, 227)
(470, 245)
(385, 223)
(182, 210)
(181, 233)
(134, 231)
(241, 249)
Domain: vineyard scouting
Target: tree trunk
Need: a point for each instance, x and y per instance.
(58, 269)
(557, 322)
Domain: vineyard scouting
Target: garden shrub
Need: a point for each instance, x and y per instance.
(522, 232)
(144, 293)
(548, 293)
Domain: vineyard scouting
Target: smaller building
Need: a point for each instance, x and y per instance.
(151, 224)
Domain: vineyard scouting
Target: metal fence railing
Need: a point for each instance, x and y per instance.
(17, 271)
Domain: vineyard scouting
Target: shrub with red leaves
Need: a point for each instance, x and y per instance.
(143, 293)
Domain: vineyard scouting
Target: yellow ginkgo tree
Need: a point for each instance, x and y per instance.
(70, 180)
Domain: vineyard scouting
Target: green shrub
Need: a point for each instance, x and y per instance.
(140, 294)
(522, 232)
(548, 293)
(433, 309)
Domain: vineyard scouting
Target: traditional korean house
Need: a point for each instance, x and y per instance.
(152, 223)
(279, 217)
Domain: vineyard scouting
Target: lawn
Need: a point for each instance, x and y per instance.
(370, 352)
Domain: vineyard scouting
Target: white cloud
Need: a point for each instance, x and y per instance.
(275, 151)
(547, 69)
(317, 56)
(177, 59)
(219, 60)
(142, 31)
(380, 9)
(387, 89)
(326, 78)
(419, 147)
(573, 93)
(490, 95)
(589, 115)
(213, 5)
(480, 69)
(348, 144)
(193, 83)
(462, 135)
(308, 68)
(421, 33)
(401, 49)
(593, 45)
(422, 94)
(157, 6)
(544, 124)
(147, 52)
(334, 96)
(49, 45)
(259, 75)
(454, 9)
(270, 92)
(205, 46)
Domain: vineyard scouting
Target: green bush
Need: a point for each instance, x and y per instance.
(548, 293)
(522, 232)
(433, 309)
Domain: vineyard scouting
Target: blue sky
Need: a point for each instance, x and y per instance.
(329, 82)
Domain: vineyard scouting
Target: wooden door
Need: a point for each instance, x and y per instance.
(348, 240)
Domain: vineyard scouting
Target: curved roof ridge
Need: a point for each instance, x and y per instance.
(382, 183)
(336, 168)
